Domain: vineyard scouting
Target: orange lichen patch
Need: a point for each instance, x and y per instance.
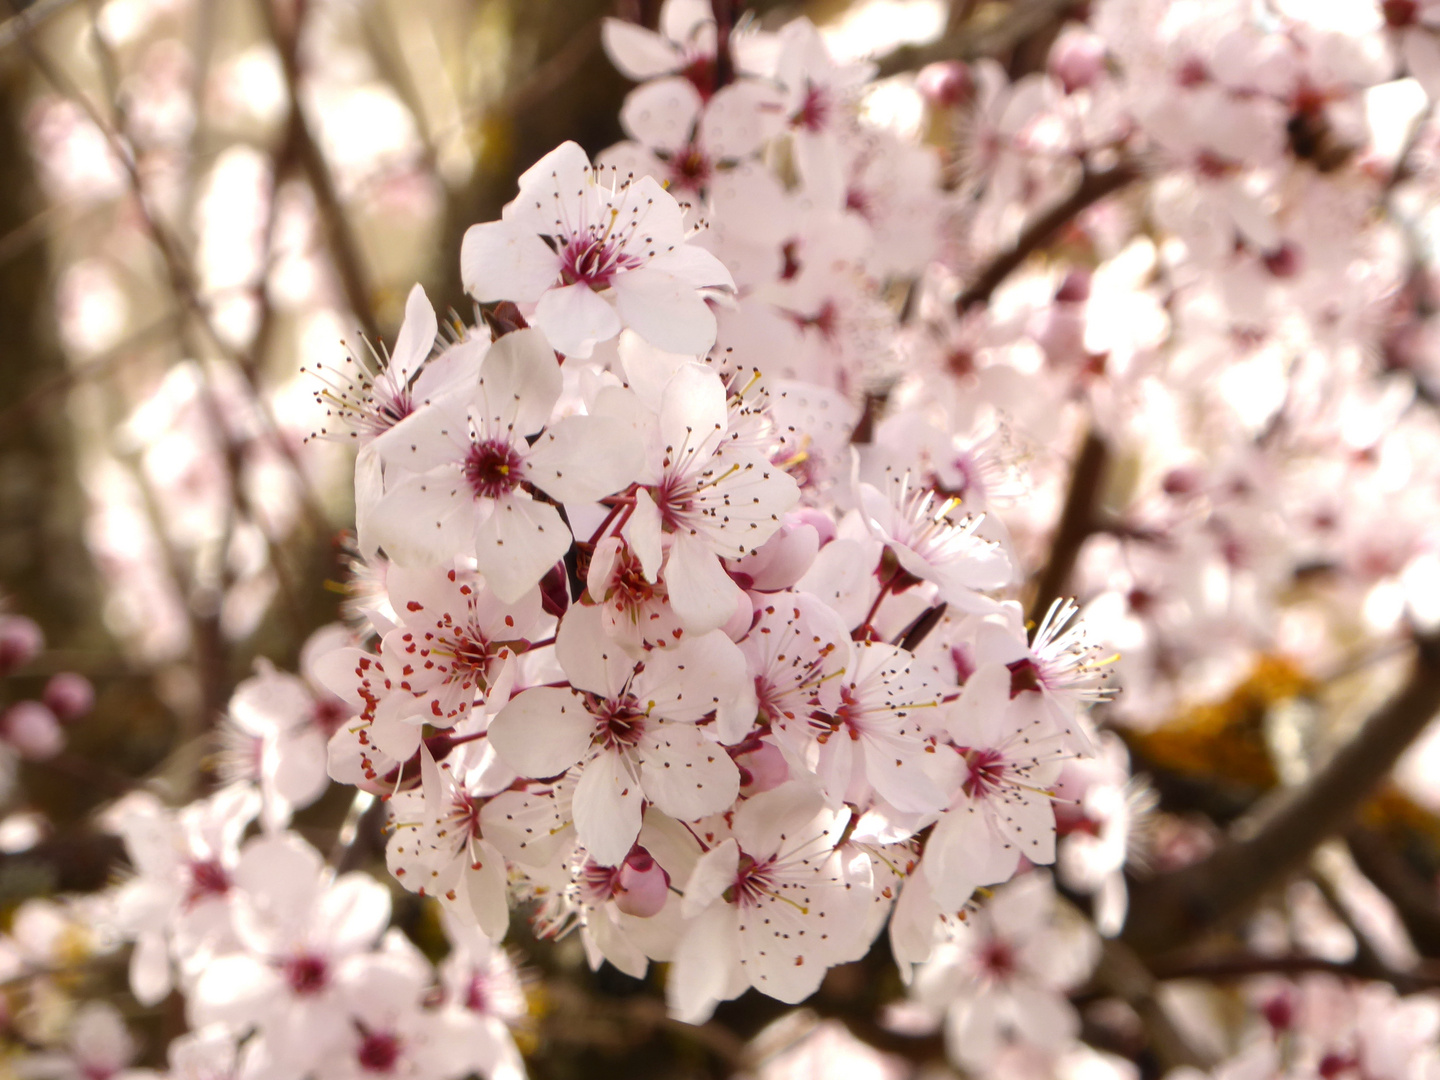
(1226, 739)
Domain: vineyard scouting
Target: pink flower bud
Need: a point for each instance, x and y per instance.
(69, 696)
(1059, 330)
(739, 623)
(945, 84)
(1284, 261)
(1077, 60)
(762, 769)
(642, 885)
(818, 520)
(33, 730)
(20, 641)
(1183, 480)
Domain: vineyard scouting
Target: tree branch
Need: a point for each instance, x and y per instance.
(1093, 187)
(1078, 521)
(974, 38)
(1268, 846)
(344, 247)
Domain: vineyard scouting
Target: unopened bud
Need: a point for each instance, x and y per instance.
(69, 696)
(33, 730)
(762, 769)
(21, 640)
(945, 84)
(642, 885)
(1284, 261)
(1077, 60)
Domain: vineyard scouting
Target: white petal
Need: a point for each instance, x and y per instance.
(529, 826)
(705, 964)
(150, 970)
(978, 717)
(714, 873)
(639, 53)
(369, 490)
(607, 809)
(425, 520)
(699, 675)
(894, 765)
(664, 310)
(542, 732)
(951, 857)
(503, 260)
(685, 774)
(485, 892)
(587, 656)
(584, 458)
(520, 382)
(521, 540)
(662, 113)
(353, 913)
(643, 530)
(739, 118)
(695, 266)
(575, 319)
(702, 594)
(416, 338)
(552, 189)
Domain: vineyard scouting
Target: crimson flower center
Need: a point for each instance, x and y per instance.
(594, 260)
(307, 974)
(207, 879)
(379, 1052)
(752, 881)
(618, 724)
(690, 168)
(997, 960)
(986, 772)
(814, 110)
(1024, 675)
(492, 468)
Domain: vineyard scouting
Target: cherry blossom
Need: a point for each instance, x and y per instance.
(631, 730)
(594, 253)
(467, 470)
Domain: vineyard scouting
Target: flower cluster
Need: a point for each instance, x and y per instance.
(654, 637)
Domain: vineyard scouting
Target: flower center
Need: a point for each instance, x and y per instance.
(618, 725)
(598, 883)
(752, 881)
(594, 260)
(814, 110)
(986, 772)
(307, 974)
(207, 879)
(997, 960)
(1024, 675)
(492, 469)
(329, 713)
(690, 168)
(379, 1052)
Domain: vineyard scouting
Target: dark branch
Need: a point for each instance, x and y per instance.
(1093, 187)
(1275, 842)
(340, 237)
(1077, 522)
(975, 38)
